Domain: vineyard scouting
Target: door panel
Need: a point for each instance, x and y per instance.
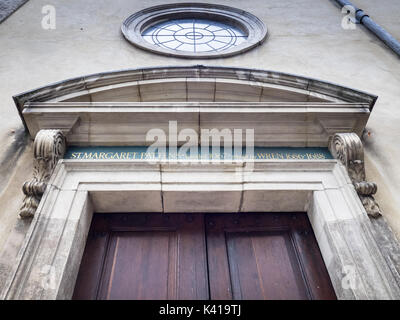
(141, 255)
(197, 256)
(263, 266)
(265, 256)
(147, 256)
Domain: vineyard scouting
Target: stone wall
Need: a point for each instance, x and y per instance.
(305, 38)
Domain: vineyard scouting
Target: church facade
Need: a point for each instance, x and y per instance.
(199, 151)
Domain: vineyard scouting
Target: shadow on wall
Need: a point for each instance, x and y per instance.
(11, 155)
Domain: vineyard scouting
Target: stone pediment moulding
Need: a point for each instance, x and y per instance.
(190, 83)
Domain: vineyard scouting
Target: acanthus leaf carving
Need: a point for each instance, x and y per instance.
(49, 146)
(348, 149)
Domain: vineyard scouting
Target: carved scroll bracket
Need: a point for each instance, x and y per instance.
(49, 146)
(349, 150)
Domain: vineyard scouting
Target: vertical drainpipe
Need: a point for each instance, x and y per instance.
(372, 26)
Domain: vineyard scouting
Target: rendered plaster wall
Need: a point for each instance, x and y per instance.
(305, 38)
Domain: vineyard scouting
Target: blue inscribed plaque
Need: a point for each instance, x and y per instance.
(195, 153)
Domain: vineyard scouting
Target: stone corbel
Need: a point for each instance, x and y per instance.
(349, 150)
(49, 146)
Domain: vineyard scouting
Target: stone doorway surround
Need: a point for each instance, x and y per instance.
(117, 108)
(49, 260)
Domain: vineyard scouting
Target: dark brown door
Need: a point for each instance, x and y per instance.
(144, 256)
(265, 256)
(196, 256)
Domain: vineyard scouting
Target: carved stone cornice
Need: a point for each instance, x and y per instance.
(274, 123)
(49, 146)
(349, 150)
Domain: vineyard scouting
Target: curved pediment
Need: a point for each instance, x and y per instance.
(193, 83)
(116, 108)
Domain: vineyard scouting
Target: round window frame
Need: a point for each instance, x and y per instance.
(133, 27)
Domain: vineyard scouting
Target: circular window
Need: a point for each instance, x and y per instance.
(194, 30)
(194, 35)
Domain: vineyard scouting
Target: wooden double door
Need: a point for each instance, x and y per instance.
(202, 256)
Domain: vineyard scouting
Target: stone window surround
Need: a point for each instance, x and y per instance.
(134, 25)
(57, 235)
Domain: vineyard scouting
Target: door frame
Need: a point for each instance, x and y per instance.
(48, 262)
